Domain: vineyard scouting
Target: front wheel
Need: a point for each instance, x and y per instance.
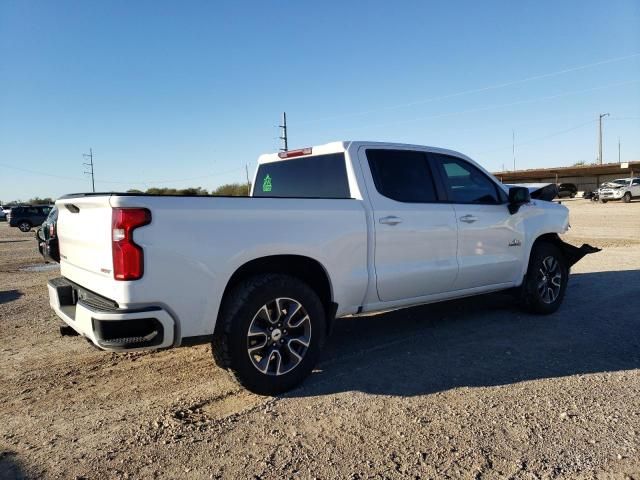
(24, 227)
(546, 280)
(270, 333)
(604, 201)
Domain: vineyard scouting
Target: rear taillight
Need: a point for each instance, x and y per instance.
(128, 258)
(52, 230)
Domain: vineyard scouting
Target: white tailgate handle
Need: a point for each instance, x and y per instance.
(468, 219)
(390, 220)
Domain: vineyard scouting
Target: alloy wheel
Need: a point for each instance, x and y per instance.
(549, 280)
(279, 336)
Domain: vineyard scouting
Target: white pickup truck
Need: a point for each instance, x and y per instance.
(329, 231)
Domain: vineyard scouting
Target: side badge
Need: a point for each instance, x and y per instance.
(515, 243)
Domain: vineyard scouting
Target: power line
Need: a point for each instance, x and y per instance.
(43, 174)
(539, 139)
(496, 106)
(63, 177)
(474, 90)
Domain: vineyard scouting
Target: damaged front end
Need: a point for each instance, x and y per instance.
(574, 254)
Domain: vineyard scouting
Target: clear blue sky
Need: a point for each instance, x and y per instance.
(192, 91)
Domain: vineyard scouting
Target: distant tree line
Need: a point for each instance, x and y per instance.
(232, 189)
(32, 201)
(229, 189)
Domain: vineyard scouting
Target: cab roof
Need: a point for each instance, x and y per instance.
(344, 145)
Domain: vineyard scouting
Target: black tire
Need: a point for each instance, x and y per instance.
(540, 293)
(243, 308)
(573, 195)
(627, 197)
(604, 201)
(24, 226)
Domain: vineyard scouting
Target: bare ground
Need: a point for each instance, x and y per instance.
(467, 389)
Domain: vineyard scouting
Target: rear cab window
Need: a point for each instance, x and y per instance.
(317, 176)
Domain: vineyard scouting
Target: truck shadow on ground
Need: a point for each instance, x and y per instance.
(10, 468)
(484, 341)
(7, 296)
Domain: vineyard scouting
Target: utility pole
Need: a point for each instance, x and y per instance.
(618, 149)
(283, 135)
(602, 115)
(90, 164)
(246, 168)
(513, 148)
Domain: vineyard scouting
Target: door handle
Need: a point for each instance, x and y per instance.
(390, 220)
(468, 219)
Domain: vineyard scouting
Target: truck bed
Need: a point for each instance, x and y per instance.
(194, 244)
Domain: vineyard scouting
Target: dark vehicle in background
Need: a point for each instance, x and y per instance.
(47, 237)
(26, 217)
(591, 195)
(567, 190)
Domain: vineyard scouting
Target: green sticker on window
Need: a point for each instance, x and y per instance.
(266, 184)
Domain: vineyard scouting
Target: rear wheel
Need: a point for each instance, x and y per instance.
(24, 226)
(270, 333)
(546, 280)
(604, 201)
(627, 197)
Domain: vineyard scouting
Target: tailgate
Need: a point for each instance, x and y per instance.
(84, 233)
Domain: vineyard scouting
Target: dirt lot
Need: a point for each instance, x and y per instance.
(466, 389)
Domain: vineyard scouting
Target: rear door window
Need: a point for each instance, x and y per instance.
(318, 176)
(402, 175)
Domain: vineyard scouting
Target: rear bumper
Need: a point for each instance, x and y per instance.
(109, 328)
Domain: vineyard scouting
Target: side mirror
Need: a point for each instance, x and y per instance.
(518, 196)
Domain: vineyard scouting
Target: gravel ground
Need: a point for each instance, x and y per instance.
(467, 389)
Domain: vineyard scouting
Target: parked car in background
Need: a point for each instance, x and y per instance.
(26, 217)
(567, 190)
(47, 238)
(621, 189)
(329, 231)
(3, 214)
(591, 195)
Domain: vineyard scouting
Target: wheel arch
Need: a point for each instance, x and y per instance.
(307, 269)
